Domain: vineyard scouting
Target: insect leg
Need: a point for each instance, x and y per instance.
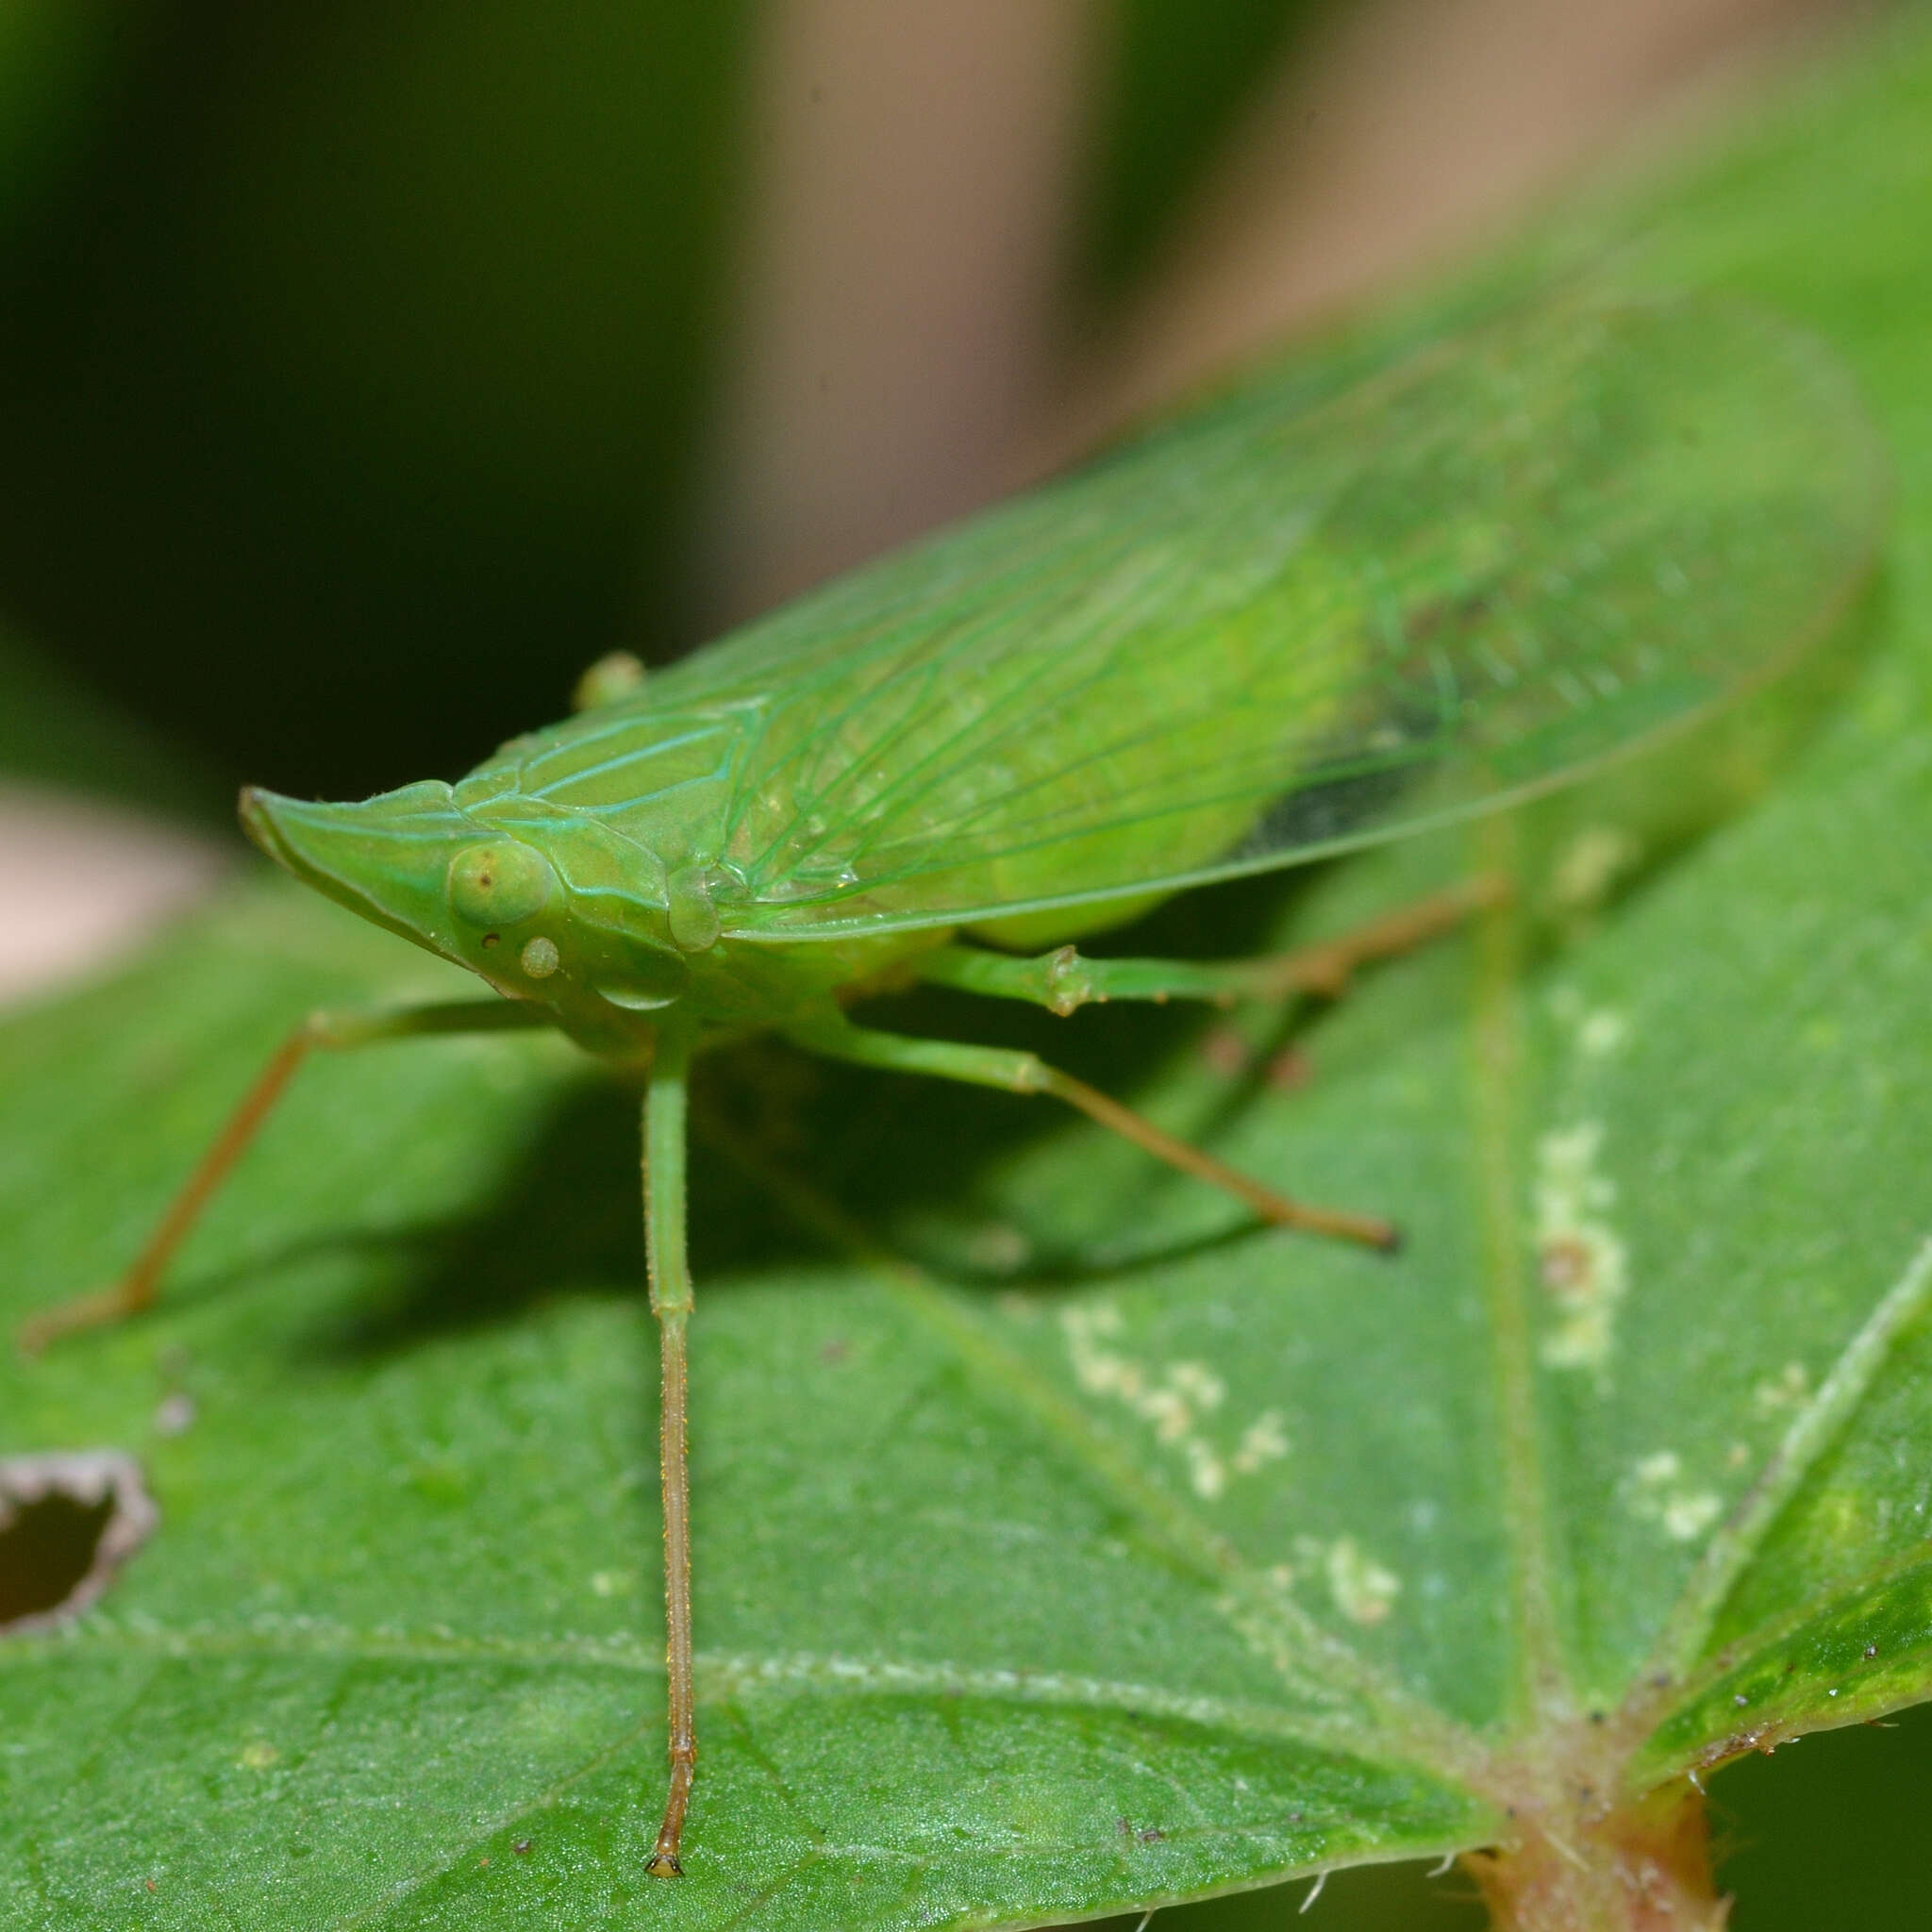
(333, 1031)
(1025, 1073)
(1063, 981)
(670, 1302)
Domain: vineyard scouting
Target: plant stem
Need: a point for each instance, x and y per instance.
(1632, 1865)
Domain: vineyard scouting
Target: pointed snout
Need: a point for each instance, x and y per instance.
(386, 858)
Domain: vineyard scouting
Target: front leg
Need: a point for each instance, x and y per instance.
(326, 1031)
(666, 1251)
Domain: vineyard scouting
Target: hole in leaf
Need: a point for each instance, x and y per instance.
(68, 1521)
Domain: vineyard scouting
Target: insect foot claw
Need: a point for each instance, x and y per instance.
(664, 1865)
(67, 1318)
(1365, 1230)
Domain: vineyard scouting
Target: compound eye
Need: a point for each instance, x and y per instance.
(498, 883)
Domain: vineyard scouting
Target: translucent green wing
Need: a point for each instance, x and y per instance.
(1290, 626)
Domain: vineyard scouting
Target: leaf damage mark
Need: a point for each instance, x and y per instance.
(1174, 1401)
(1656, 1492)
(1581, 1261)
(1361, 1588)
(68, 1521)
(1790, 1389)
(1364, 1590)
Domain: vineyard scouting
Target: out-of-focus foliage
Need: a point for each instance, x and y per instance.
(1177, 76)
(359, 363)
(60, 61)
(362, 357)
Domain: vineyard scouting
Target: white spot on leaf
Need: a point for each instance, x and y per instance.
(1363, 1590)
(1199, 1384)
(1582, 1263)
(1262, 1440)
(1687, 1517)
(1174, 1399)
(1602, 1033)
(1206, 1469)
(1657, 1493)
(1788, 1390)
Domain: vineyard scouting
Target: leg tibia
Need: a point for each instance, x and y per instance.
(1025, 1073)
(670, 1302)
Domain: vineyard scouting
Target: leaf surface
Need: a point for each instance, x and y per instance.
(1061, 1543)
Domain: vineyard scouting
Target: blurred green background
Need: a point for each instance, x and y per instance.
(356, 360)
(358, 372)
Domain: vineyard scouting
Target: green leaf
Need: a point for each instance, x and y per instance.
(1061, 1543)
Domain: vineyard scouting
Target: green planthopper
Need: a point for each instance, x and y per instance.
(1344, 600)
